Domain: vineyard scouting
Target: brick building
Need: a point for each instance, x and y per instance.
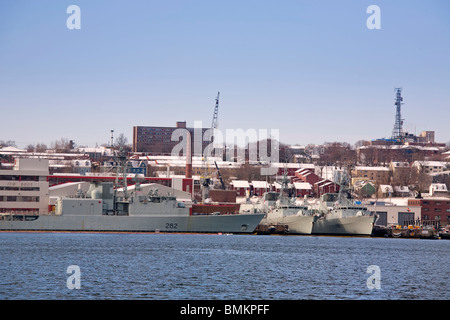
(319, 185)
(158, 140)
(436, 209)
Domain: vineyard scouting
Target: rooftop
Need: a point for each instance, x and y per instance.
(362, 168)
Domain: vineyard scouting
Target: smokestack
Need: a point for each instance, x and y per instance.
(188, 155)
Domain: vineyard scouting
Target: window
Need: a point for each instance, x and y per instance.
(29, 178)
(437, 217)
(29, 188)
(9, 177)
(28, 199)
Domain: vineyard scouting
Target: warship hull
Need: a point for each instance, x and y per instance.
(238, 223)
(296, 224)
(355, 226)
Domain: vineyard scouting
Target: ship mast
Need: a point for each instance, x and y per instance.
(121, 167)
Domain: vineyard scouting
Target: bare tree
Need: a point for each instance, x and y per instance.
(421, 179)
(8, 143)
(248, 172)
(368, 156)
(338, 154)
(31, 148)
(41, 147)
(402, 176)
(62, 145)
(122, 142)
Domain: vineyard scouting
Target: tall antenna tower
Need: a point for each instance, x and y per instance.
(397, 133)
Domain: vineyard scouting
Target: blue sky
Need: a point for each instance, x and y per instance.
(311, 69)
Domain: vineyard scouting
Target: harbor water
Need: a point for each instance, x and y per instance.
(225, 267)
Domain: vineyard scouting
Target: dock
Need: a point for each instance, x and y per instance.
(406, 232)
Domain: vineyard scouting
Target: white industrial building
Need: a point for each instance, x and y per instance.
(24, 189)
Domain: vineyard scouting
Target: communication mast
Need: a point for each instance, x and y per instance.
(397, 133)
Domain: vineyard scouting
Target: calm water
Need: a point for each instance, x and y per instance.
(190, 266)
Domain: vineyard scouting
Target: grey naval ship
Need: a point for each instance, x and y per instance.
(284, 210)
(281, 209)
(340, 216)
(100, 209)
(105, 207)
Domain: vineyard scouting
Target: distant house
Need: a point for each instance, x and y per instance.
(399, 165)
(291, 168)
(319, 185)
(385, 191)
(429, 166)
(81, 166)
(401, 191)
(368, 189)
(307, 175)
(241, 187)
(276, 186)
(438, 189)
(259, 187)
(446, 155)
(302, 189)
(377, 175)
(325, 186)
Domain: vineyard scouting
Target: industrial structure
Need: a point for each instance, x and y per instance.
(215, 120)
(158, 140)
(397, 133)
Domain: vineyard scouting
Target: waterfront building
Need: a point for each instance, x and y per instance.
(391, 214)
(25, 188)
(433, 209)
